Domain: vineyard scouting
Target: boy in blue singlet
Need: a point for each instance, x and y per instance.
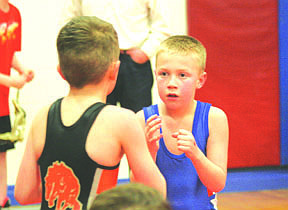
(188, 139)
(75, 145)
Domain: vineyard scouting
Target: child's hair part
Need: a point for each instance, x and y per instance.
(184, 45)
(86, 47)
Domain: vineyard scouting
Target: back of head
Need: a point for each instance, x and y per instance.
(86, 47)
(131, 196)
(184, 45)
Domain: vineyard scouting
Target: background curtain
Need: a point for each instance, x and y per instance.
(241, 38)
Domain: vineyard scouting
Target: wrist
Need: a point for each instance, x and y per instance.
(196, 156)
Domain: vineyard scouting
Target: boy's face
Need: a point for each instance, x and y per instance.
(177, 78)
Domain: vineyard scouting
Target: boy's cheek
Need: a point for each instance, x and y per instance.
(161, 88)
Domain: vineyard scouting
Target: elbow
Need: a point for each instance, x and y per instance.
(17, 195)
(220, 185)
(25, 198)
(217, 188)
(20, 194)
(221, 181)
(19, 198)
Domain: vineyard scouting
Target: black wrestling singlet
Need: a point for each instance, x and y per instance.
(69, 176)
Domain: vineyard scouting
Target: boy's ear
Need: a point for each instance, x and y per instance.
(201, 81)
(113, 70)
(111, 75)
(60, 72)
(155, 72)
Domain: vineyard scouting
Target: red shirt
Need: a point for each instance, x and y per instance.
(10, 41)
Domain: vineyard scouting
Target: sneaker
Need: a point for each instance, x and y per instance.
(6, 203)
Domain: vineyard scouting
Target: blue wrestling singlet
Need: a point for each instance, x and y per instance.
(185, 191)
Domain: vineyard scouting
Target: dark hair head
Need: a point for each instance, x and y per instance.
(86, 46)
(132, 196)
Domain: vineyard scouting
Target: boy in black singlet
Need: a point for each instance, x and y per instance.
(75, 145)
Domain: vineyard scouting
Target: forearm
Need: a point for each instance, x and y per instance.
(17, 65)
(210, 174)
(5, 80)
(160, 185)
(28, 194)
(28, 187)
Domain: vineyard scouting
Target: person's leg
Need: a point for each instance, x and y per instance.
(3, 177)
(113, 97)
(137, 82)
(5, 126)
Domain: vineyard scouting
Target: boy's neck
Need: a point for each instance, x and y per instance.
(88, 93)
(180, 113)
(4, 6)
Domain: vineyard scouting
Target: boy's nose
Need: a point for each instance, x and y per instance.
(172, 83)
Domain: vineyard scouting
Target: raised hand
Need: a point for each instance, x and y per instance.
(152, 133)
(29, 75)
(17, 81)
(186, 143)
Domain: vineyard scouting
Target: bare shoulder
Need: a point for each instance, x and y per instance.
(216, 114)
(117, 117)
(218, 121)
(38, 130)
(123, 126)
(140, 114)
(40, 116)
(141, 117)
(117, 113)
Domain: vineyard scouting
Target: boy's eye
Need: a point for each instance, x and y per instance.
(163, 73)
(182, 75)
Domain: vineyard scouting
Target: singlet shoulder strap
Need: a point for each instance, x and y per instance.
(150, 110)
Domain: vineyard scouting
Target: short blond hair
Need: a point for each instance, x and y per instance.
(184, 45)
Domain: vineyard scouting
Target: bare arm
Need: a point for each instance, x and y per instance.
(22, 70)
(159, 29)
(140, 161)
(151, 129)
(152, 134)
(212, 170)
(28, 184)
(16, 81)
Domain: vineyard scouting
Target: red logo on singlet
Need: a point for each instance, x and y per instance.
(62, 187)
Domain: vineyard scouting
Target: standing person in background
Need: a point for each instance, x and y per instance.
(75, 144)
(10, 42)
(141, 27)
(187, 138)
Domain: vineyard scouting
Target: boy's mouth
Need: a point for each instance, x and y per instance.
(172, 95)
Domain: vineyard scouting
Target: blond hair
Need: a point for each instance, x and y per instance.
(184, 45)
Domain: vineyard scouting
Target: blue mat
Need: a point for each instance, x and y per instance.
(238, 180)
(256, 179)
